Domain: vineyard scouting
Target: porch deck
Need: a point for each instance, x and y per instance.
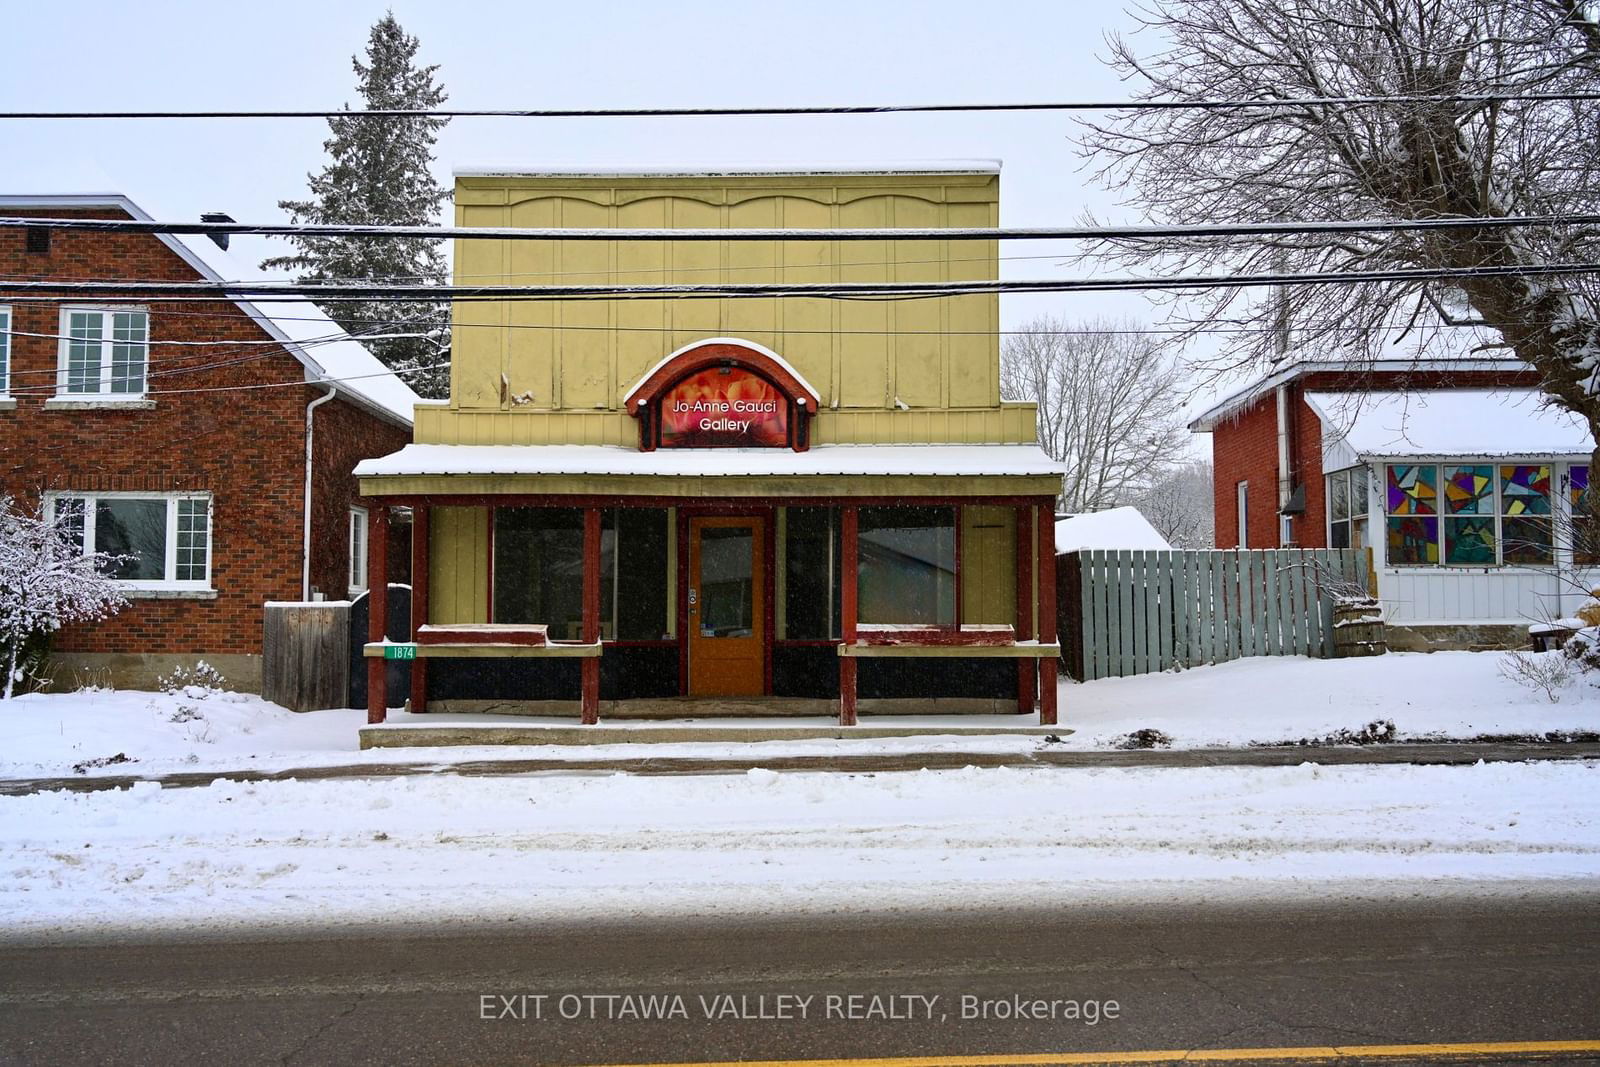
(435, 729)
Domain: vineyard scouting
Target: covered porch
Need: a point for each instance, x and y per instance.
(582, 584)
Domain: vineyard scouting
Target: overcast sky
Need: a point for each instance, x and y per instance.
(296, 54)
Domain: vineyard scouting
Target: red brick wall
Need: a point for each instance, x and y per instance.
(344, 436)
(1245, 448)
(245, 446)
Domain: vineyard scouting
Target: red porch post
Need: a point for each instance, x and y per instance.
(419, 603)
(1047, 611)
(1025, 667)
(377, 604)
(591, 614)
(849, 559)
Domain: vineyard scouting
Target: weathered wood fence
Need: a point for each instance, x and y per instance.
(1136, 612)
(303, 658)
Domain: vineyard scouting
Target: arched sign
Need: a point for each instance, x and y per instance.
(723, 407)
(722, 394)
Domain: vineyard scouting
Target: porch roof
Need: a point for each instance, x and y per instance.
(937, 461)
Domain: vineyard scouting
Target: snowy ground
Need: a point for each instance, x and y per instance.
(1446, 694)
(440, 849)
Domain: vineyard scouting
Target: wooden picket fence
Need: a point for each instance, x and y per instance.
(1137, 612)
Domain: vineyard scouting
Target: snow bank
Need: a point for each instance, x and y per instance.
(447, 848)
(44, 734)
(1268, 699)
(1250, 701)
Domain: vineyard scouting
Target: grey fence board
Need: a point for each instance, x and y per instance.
(1143, 611)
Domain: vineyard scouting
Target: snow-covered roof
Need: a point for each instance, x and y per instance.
(911, 460)
(326, 351)
(733, 169)
(1240, 399)
(1122, 527)
(1445, 422)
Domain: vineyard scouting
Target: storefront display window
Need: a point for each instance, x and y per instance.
(907, 569)
(538, 571)
(811, 569)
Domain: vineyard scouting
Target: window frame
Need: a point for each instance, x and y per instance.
(5, 351)
(357, 581)
(1571, 518)
(104, 393)
(938, 600)
(564, 630)
(169, 581)
(1241, 512)
(1347, 476)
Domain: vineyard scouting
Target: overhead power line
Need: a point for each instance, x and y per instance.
(1231, 326)
(322, 294)
(774, 111)
(956, 233)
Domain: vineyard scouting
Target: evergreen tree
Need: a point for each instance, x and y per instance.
(378, 174)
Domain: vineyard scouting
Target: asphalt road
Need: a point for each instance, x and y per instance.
(1206, 977)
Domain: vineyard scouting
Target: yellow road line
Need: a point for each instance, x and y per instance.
(1232, 1055)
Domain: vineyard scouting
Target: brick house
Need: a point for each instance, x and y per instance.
(1452, 472)
(177, 434)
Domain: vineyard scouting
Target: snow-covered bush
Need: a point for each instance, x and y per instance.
(1545, 672)
(46, 581)
(197, 682)
(1582, 649)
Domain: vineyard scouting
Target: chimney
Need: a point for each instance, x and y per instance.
(219, 239)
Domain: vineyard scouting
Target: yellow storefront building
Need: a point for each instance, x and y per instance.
(779, 505)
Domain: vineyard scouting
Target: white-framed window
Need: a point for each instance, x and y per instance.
(1241, 494)
(5, 351)
(104, 352)
(1472, 513)
(164, 539)
(1347, 497)
(358, 550)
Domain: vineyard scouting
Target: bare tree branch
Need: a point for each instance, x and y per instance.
(1110, 405)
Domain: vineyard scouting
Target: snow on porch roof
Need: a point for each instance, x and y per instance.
(1450, 422)
(910, 460)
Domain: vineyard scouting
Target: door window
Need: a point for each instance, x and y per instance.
(727, 564)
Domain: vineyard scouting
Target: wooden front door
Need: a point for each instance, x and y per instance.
(727, 605)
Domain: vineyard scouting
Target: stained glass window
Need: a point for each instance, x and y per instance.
(1469, 490)
(1469, 541)
(1525, 503)
(1412, 498)
(1525, 489)
(1585, 533)
(1413, 539)
(1413, 489)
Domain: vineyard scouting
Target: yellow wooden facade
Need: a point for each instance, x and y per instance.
(887, 372)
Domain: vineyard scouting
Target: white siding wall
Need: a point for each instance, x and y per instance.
(1500, 595)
